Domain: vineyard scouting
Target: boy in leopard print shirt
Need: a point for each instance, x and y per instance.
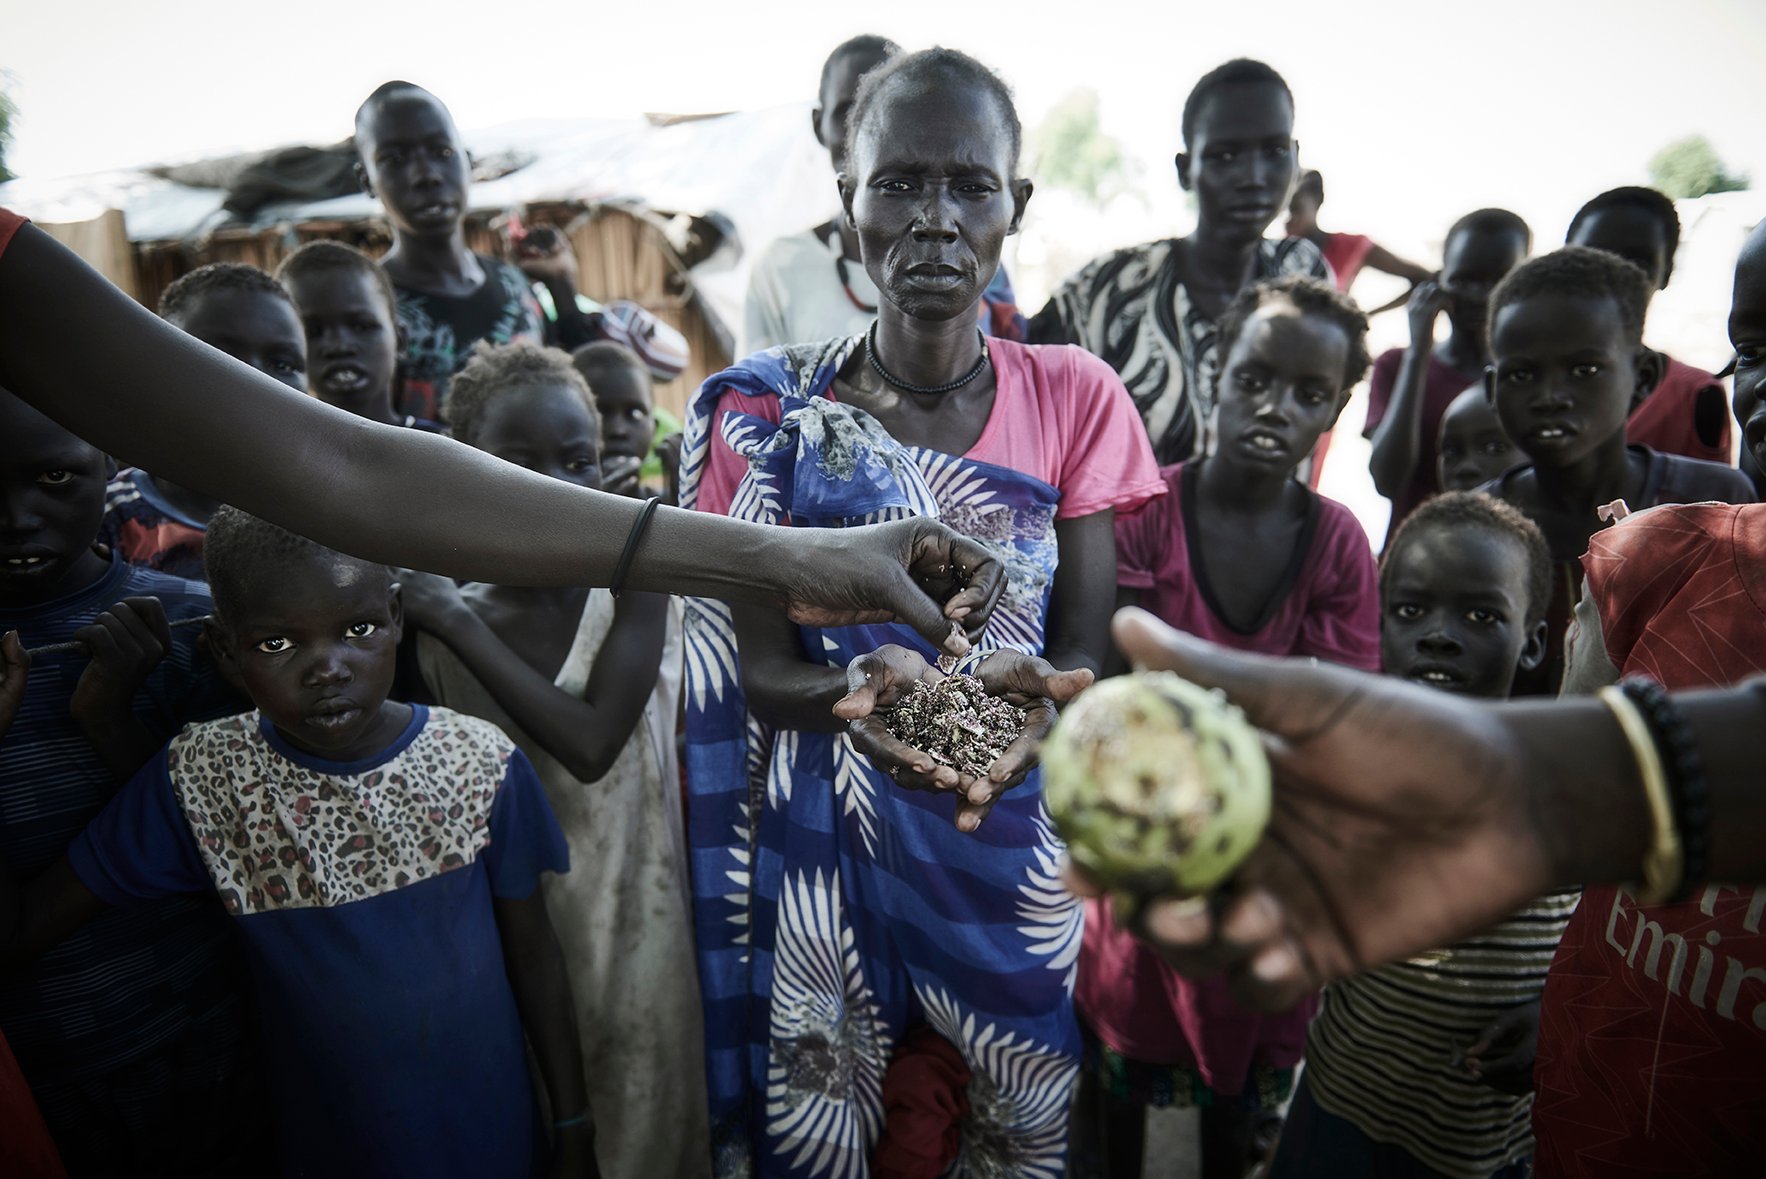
(382, 861)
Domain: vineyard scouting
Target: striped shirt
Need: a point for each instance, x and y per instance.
(135, 979)
(1383, 1051)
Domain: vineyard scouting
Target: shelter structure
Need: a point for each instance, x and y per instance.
(667, 211)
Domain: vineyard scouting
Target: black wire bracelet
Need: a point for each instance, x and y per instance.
(1688, 789)
(631, 545)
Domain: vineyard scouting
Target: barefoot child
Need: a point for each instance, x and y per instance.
(381, 862)
(1566, 338)
(574, 677)
(1421, 1069)
(1473, 449)
(1243, 554)
(1412, 387)
(243, 312)
(132, 1033)
(350, 315)
(1685, 411)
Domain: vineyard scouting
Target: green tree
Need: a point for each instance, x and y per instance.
(1690, 168)
(1074, 153)
(7, 110)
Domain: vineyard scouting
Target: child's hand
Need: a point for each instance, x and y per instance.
(431, 601)
(126, 643)
(1428, 299)
(544, 255)
(1502, 1056)
(619, 475)
(15, 668)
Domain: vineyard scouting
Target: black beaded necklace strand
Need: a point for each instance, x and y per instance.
(927, 390)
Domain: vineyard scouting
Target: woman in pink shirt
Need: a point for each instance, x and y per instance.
(848, 889)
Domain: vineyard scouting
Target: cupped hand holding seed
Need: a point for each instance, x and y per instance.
(1034, 685)
(875, 684)
(1000, 717)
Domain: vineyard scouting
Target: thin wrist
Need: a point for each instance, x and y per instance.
(682, 549)
(1583, 790)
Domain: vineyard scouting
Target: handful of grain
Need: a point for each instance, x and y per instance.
(956, 723)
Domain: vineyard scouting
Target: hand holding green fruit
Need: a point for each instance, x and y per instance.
(1402, 818)
(1159, 787)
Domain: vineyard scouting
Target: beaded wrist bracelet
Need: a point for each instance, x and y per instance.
(1688, 789)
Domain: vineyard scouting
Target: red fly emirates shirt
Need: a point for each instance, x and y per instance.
(1652, 1040)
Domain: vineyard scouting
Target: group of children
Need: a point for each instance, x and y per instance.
(391, 957)
(443, 821)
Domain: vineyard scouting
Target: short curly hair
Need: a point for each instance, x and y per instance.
(600, 357)
(240, 548)
(924, 69)
(868, 44)
(387, 90)
(1475, 509)
(1238, 71)
(496, 370)
(1492, 221)
(1579, 271)
(317, 257)
(1312, 297)
(186, 292)
(1653, 201)
(1633, 196)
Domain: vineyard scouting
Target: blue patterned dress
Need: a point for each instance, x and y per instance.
(834, 910)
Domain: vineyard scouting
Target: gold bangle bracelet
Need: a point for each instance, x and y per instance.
(1662, 863)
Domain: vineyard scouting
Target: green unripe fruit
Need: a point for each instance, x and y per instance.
(1159, 787)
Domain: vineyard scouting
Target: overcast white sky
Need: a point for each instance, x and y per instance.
(1415, 117)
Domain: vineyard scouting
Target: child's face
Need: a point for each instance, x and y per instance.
(545, 429)
(413, 161)
(628, 417)
(1634, 234)
(352, 337)
(316, 645)
(1473, 449)
(1280, 387)
(1242, 159)
(1474, 261)
(256, 327)
(1747, 332)
(51, 503)
(1564, 373)
(1455, 612)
